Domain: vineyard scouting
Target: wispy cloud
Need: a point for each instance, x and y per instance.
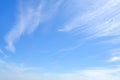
(30, 15)
(115, 55)
(28, 18)
(1, 52)
(13, 71)
(13, 67)
(114, 59)
(86, 74)
(98, 22)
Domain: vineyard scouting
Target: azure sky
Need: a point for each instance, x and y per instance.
(59, 39)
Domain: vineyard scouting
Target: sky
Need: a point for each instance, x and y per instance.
(60, 40)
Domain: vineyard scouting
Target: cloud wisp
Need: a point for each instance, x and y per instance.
(115, 55)
(101, 21)
(86, 74)
(1, 52)
(29, 18)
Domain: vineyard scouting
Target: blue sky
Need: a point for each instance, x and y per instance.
(60, 40)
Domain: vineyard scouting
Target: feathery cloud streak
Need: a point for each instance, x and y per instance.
(101, 21)
(29, 18)
(13, 67)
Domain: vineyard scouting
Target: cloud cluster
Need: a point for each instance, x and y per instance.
(97, 21)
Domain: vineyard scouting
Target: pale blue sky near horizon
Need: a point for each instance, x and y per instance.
(59, 39)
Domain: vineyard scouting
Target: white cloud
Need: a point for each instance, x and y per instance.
(13, 71)
(101, 21)
(13, 67)
(115, 55)
(29, 17)
(115, 59)
(3, 54)
(1, 51)
(115, 52)
(113, 40)
(85, 74)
